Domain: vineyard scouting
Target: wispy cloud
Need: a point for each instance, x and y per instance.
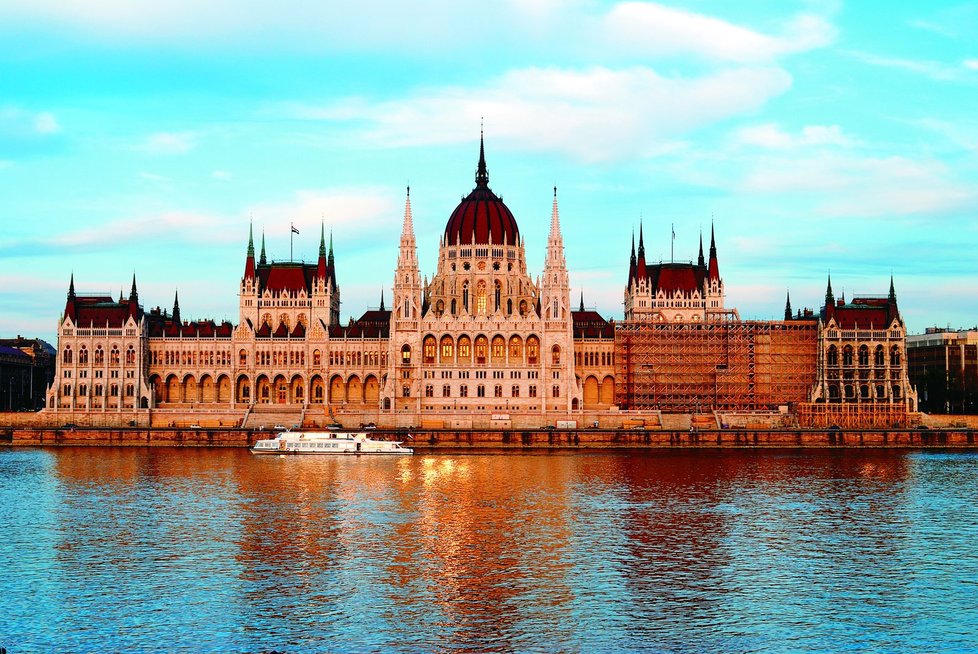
(168, 143)
(770, 135)
(656, 29)
(935, 70)
(598, 114)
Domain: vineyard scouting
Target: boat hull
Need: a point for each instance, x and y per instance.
(327, 444)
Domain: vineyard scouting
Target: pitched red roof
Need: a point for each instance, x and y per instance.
(590, 324)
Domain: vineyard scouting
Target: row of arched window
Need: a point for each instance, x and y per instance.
(450, 351)
(98, 357)
(862, 356)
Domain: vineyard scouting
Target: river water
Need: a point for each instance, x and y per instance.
(133, 549)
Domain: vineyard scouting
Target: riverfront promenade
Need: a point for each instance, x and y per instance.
(516, 439)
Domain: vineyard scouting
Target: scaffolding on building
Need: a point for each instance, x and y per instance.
(723, 365)
(843, 415)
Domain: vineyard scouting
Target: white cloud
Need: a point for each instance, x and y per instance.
(167, 143)
(598, 114)
(971, 64)
(935, 70)
(356, 211)
(862, 186)
(46, 123)
(652, 28)
(769, 135)
(222, 175)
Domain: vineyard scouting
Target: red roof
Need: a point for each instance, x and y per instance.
(98, 310)
(482, 218)
(863, 313)
(286, 277)
(590, 324)
(671, 277)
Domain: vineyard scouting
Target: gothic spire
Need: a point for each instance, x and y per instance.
(482, 174)
(714, 267)
(133, 295)
(382, 299)
(892, 296)
(261, 259)
(322, 239)
(631, 262)
(582, 301)
(176, 306)
(829, 297)
(700, 260)
(787, 306)
(71, 287)
(641, 242)
(251, 240)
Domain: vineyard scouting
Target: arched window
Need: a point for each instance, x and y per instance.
(317, 358)
(509, 307)
(863, 355)
(481, 350)
(879, 357)
(447, 349)
(465, 297)
(428, 349)
(114, 356)
(407, 307)
(515, 350)
(464, 349)
(532, 350)
(99, 356)
(555, 355)
(498, 349)
(131, 356)
(406, 354)
(242, 358)
(499, 296)
(833, 355)
(556, 309)
(894, 356)
(847, 355)
(66, 355)
(556, 391)
(454, 306)
(480, 298)
(406, 391)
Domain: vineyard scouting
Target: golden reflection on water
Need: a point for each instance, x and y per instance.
(483, 551)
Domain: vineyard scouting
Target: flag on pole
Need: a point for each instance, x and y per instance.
(294, 230)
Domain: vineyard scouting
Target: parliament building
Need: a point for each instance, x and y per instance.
(481, 344)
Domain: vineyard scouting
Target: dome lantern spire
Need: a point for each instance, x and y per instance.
(482, 173)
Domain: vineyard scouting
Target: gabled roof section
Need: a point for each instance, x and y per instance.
(591, 324)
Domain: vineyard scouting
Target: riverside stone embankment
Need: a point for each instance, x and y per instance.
(514, 439)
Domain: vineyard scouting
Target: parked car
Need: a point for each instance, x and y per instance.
(280, 428)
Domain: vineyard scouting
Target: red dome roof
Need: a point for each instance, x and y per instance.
(482, 218)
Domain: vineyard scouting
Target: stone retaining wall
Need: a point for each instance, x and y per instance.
(515, 439)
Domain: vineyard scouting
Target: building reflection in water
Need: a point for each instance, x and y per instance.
(723, 550)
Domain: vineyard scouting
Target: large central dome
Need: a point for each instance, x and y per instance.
(482, 218)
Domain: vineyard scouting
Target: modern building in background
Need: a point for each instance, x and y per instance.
(943, 365)
(481, 343)
(26, 371)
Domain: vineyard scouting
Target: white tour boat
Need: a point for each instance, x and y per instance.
(331, 442)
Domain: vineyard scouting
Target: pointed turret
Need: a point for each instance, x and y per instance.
(582, 301)
(892, 312)
(829, 297)
(700, 261)
(70, 304)
(321, 265)
(641, 272)
(714, 270)
(176, 307)
(261, 259)
(331, 262)
(787, 306)
(892, 296)
(133, 298)
(250, 260)
(482, 174)
(632, 263)
(382, 300)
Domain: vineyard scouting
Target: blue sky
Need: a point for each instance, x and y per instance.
(817, 135)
